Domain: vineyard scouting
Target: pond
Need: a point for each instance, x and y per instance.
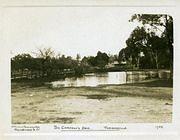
(92, 80)
(108, 78)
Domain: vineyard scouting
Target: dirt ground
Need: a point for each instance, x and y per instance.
(148, 102)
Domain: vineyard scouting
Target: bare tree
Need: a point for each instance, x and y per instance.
(45, 55)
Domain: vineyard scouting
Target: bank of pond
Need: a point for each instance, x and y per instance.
(98, 79)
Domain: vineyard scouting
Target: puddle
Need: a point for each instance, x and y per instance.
(35, 103)
(23, 106)
(168, 104)
(63, 120)
(47, 110)
(76, 113)
(98, 97)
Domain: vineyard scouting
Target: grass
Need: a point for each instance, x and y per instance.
(154, 88)
(155, 83)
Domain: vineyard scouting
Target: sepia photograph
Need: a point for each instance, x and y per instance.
(90, 65)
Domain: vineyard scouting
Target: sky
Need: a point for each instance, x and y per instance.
(67, 30)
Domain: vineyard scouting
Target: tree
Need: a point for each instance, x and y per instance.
(78, 57)
(101, 59)
(21, 62)
(154, 39)
(112, 58)
(84, 64)
(91, 61)
(135, 45)
(162, 23)
(45, 55)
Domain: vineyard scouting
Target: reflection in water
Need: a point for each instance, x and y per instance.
(93, 79)
(96, 79)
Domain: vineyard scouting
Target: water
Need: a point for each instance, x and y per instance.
(109, 78)
(93, 80)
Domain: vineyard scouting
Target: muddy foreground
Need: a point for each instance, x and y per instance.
(146, 102)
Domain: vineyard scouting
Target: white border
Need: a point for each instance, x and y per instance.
(169, 130)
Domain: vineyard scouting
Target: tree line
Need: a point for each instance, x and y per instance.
(149, 46)
(47, 64)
